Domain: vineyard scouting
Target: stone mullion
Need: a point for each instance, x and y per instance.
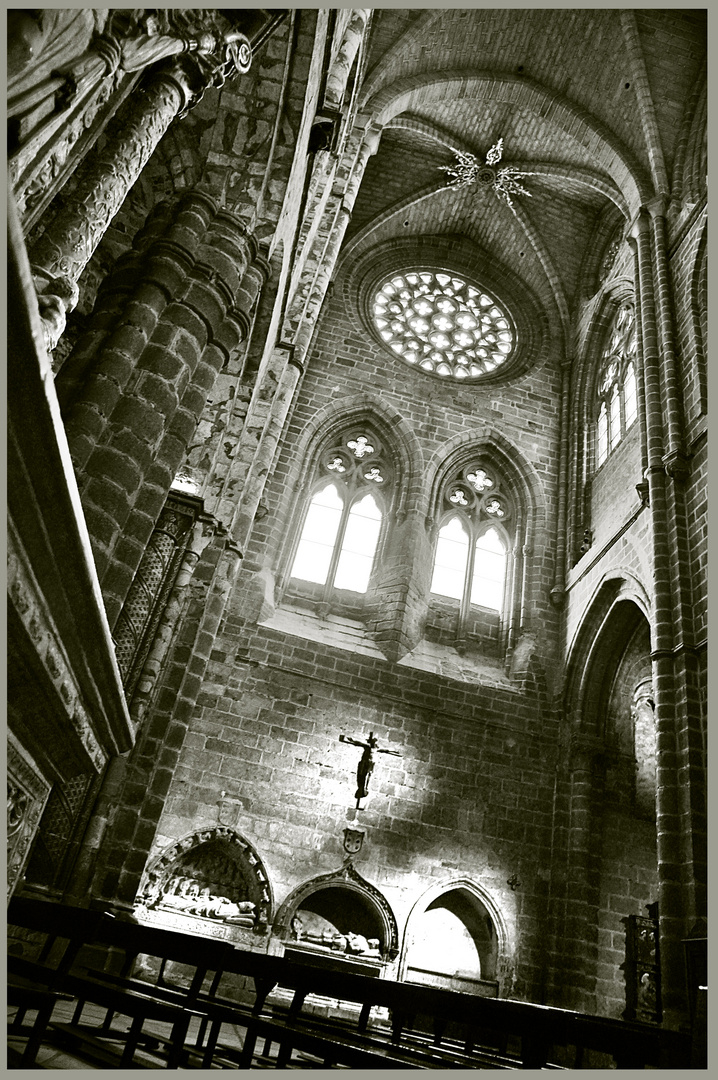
(668, 825)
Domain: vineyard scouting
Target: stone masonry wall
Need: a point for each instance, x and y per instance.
(470, 796)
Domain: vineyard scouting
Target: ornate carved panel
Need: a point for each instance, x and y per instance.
(27, 792)
(214, 874)
(60, 832)
(642, 968)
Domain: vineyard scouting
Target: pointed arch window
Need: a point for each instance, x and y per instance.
(473, 543)
(340, 535)
(616, 404)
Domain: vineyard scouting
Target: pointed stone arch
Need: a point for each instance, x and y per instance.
(342, 896)
(473, 906)
(414, 91)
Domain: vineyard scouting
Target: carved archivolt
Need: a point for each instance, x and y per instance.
(213, 873)
(346, 878)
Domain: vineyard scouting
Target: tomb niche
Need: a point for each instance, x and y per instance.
(338, 920)
(211, 883)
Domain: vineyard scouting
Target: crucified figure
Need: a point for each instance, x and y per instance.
(366, 763)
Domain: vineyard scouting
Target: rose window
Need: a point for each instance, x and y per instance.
(442, 324)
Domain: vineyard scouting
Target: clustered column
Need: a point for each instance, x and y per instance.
(137, 382)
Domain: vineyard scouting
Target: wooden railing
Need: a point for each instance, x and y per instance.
(428, 1027)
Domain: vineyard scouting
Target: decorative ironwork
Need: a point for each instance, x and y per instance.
(147, 598)
(467, 171)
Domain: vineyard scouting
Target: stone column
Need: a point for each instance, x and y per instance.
(583, 872)
(670, 842)
(67, 245)
(139, 386)
(559, 586)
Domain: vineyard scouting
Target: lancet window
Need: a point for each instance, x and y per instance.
(473, 541)
(616, 404)
(344, 518)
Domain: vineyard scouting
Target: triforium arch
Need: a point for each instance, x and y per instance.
(467, 904)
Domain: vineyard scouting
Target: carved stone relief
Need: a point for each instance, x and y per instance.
(25, 595)
(27, 792)
(214, 874)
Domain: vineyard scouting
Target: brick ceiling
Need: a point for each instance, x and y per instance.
(552, 84)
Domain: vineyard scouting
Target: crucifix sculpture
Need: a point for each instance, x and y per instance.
(366, 763)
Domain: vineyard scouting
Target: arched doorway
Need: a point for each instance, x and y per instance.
(454, 937)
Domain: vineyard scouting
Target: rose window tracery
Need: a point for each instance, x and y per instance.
(442, 324)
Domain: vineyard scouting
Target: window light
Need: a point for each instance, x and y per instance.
(359, 546)
(316, 546)
(629, 395)
(452, 552)
(442, 324)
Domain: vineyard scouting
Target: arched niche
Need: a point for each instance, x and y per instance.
(214, 862)
(455, 938)
(339, 905)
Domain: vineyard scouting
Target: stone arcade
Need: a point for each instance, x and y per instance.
(357, 383)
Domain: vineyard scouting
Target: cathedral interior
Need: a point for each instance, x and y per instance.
(357, 619)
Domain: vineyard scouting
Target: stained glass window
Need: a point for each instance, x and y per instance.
(442, 324)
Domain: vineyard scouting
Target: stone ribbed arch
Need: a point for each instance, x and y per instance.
(604, 232)
(387, 64)
(559, 170)
(691, 169)
(422, 90)
(597, 628)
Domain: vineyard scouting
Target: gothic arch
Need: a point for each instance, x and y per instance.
(618, 607)
(352, 896)
(325, 425)
(521, 476)
(251, 869)
(479, 913)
